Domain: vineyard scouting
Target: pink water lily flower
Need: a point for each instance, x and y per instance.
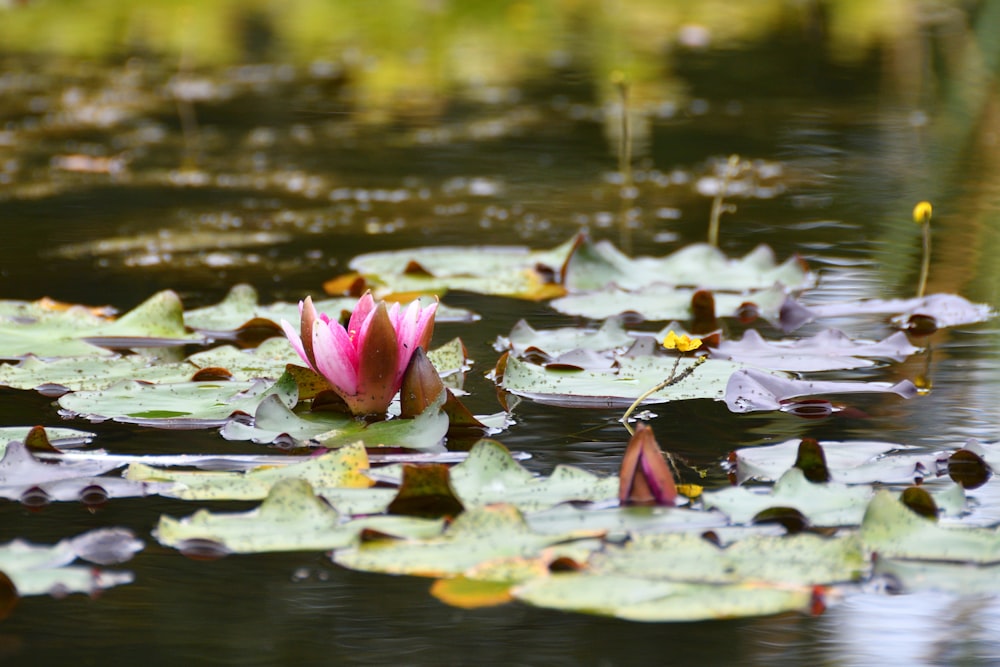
(364, 363)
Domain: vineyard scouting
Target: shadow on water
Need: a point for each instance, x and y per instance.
(151, 148)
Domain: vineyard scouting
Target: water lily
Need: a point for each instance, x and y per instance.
(364, 362)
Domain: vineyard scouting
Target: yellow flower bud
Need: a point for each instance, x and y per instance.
(681, 343)
(922, 212)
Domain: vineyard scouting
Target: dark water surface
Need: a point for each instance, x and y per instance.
(297, 154)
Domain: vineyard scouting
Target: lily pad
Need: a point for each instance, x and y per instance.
(828, 504)
(827, 350)
(610, 337)
(483, 534)
(241, 307)
(291, 518)
(751, 389)
(596, 265)
(491, 475)
(176, 405)
(948, 310)
(892, 530)
(850, 462)
(795, 560)
(617, 388)
(660, 302)
(342, 468)
(274, 421)
(639, 599)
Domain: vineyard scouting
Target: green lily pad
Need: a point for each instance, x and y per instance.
(639, 599)
(176, 405)
(611, 336)
(632, 520)
(796, 560)
(828, 350)
(274, 421)
(342, 468)
(659, 302)
(595, 265)
(850, 462)
(90, 372)
(498, 270)
(241, 305)
(491, 475)
(616, 388)
(58, 437)
(892, 530)
(827, 504)
(483, 534)
(291, 518)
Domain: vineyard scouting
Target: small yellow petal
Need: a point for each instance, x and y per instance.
(922, 212)
(681, 343)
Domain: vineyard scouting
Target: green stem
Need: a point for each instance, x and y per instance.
(925, 266)
(672, 379)
(717, 206)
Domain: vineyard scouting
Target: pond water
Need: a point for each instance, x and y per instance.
(174, 148)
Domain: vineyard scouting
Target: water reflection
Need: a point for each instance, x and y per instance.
(915, 629)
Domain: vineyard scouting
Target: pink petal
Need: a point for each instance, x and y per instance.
(293, 338)
(406, 336)
(336, 358)
(361, 313)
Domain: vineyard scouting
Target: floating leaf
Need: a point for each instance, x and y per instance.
(291, 518)
(829, 504)
(664, 302)
(241, 307)
(947, 310)
(827, 350)
(892, 530)
(638, 599)
(750, 389)
(478, 535)
(795, 560)
(156, 322)
(611, 336)
(850, 462)
(90, 372)
(176, 405)
(624, 520)
(58, 437)
(617, 388)
(341, 468)
(274, 421)
(499, 270)
(490, 475)
(596, 265)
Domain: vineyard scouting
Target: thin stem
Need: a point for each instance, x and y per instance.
(925, 266)
(672, 379)
(717, 206)
(624, 160)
